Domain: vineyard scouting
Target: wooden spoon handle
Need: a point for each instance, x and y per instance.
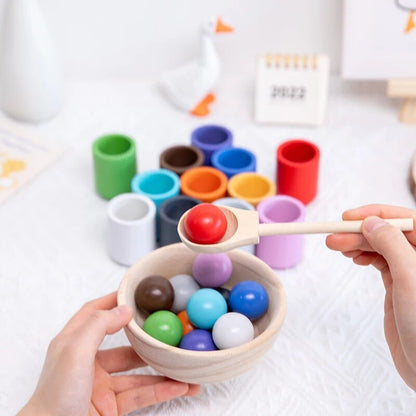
(278, 228)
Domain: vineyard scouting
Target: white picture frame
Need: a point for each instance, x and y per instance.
(379, 39)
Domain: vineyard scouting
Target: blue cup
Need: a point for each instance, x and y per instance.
(210, 139)
(158, 185)
(234, 160)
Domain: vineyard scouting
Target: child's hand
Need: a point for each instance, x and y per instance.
(392, 252)
(77, 379)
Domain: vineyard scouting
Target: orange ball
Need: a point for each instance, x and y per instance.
(186, 323)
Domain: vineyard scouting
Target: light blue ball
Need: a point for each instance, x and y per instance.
(204, 308)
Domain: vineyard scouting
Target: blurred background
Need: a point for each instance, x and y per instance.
(140, 39)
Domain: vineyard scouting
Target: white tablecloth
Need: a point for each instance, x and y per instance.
(330, 357)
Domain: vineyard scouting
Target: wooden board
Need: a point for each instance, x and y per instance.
(401, 88)
(408, 111)
(406, 89)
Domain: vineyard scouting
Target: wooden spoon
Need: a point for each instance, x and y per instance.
(243, 228)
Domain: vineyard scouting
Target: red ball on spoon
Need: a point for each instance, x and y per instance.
(205, 224)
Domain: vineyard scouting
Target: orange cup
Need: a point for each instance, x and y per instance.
(204, 183)
(251, 187)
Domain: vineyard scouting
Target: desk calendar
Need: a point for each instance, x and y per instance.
(291, 89)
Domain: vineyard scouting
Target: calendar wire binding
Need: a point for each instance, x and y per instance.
(303, 61)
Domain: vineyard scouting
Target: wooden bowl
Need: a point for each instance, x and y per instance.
(202, 366)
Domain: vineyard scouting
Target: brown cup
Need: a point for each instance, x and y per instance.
(181, 158)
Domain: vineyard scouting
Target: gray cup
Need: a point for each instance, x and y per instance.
(170, 212)
(240, 204)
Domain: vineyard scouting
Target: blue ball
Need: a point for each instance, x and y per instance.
(249, 298)
(198, 340)
(204, 307)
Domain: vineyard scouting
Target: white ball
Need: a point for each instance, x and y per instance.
(184, 286)
(231, 330)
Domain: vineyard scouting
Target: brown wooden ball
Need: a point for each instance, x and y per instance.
(154, 293)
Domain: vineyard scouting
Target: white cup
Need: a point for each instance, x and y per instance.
(131, 232)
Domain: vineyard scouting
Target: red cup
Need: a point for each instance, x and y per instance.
(297, 169)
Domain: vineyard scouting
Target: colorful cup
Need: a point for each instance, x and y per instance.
(158, 185)
(114, 158)
(297, 169)
(204, 183)
(281, 251)
(251, 187)
(170, 212)
(240, 204)
(179, 159)
(211, 138)
(234, 160)
(131, 228)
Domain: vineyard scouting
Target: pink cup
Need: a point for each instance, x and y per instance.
(281, 251)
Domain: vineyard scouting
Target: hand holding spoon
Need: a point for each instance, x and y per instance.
(243, 228)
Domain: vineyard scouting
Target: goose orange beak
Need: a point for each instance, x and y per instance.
(222, 27)
(410, 23)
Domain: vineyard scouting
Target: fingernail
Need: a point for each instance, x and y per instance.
(350, 213)
(372, 223)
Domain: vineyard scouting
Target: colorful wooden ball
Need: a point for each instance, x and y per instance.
(224, 292)
(231, 330)
(184, 286)
(205, 307)
(186, 323)
(154, 293)
(212, 270)
(198, 340)
(249, 298)
(205, 224)
(165, 326)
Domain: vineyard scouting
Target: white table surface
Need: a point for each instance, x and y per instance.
(330, 357)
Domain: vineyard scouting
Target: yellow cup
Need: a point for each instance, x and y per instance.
(251, 186)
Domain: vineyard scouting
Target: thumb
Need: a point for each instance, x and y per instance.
(101, 323)
(391, 243)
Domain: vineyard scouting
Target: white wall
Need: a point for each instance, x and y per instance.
(141, 38)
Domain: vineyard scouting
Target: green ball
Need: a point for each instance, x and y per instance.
(165, 326)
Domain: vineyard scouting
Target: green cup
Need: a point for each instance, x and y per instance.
(114, 164)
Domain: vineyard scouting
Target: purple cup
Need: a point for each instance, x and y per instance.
(281, 251)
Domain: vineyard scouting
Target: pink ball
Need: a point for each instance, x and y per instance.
(212, 270)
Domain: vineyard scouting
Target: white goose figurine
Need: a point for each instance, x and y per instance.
(190, 87)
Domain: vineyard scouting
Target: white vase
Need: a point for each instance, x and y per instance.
(30, 75)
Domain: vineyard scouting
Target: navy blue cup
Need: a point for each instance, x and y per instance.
(170, 212)
(210, 139)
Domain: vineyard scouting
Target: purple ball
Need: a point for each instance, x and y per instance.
(198, 340)
(212, 270)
